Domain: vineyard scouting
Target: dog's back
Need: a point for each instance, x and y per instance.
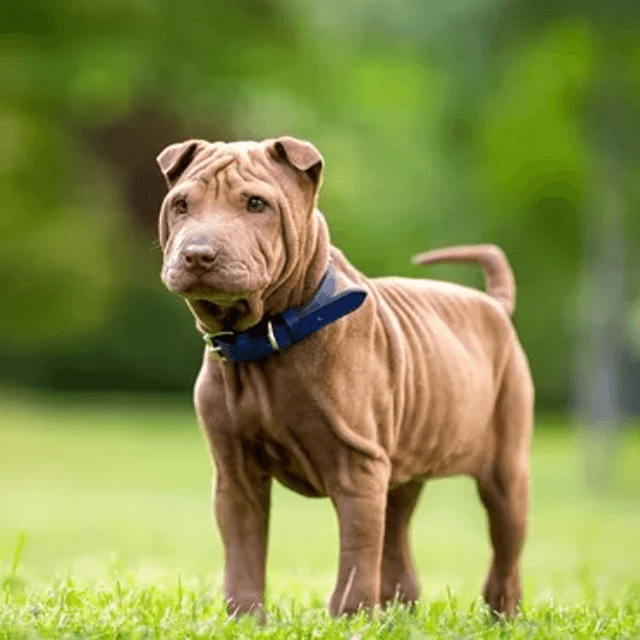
(450, 345)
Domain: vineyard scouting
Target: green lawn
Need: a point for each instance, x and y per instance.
(119, 542)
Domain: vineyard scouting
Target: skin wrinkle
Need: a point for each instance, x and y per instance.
(216, 184)
(392, 324)
(233, 178)
(266, 253)
(279, 262)
(262, 396)
(315, 267)
(201, 159)
(226, 176)
(220, 174)
(245, 481)
(398, 365)
(313, 247)
(290, 239)
(205, 162)
(355, 441)
(286, 285)
(246, 169)
(207, 172)
(280, 278)
(312, 475)
(412, 365)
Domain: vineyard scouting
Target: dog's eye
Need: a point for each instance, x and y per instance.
(255, 204)
(180, 205)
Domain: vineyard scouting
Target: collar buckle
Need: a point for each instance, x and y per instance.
(215, 351)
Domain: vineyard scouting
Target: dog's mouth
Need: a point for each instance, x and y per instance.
(208, 308)
(220, 315)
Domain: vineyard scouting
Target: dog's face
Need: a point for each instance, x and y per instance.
(236, 224)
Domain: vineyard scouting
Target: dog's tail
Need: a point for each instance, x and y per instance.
(499, 276)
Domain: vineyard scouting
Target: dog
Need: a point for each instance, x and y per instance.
(338, 385)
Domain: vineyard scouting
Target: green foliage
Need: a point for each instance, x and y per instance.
(441, 123)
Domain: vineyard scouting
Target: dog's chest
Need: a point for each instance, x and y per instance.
(275, 426)
(289, 470)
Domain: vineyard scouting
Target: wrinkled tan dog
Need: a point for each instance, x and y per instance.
(336, 385)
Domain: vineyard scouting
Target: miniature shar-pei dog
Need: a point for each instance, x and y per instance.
(335, 384)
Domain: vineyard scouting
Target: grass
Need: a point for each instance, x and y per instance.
(106, 532)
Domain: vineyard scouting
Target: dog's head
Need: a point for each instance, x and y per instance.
(239, 229)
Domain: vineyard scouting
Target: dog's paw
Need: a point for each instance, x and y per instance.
(503, 597)
(402, 589)
(244, 606)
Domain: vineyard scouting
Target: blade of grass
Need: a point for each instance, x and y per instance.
(17, 554)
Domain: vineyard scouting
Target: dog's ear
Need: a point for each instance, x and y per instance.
(301, 155)
(174, 160)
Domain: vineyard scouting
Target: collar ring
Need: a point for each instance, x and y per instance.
(271, 337)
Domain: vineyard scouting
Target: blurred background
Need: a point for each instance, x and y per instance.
(515, 122)
(506, 121)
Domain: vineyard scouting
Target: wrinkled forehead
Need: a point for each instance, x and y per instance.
(229, 163)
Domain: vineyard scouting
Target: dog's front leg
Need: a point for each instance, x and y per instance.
(242, 497)
(362, 519)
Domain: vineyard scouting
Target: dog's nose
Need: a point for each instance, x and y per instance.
(198, 259)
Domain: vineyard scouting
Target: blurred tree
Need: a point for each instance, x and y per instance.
(560, 145)
(440, 123)
(608, 117)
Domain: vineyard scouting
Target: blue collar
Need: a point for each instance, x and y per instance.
(293, 325)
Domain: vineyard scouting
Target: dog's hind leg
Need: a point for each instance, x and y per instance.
(503, 487)
(505, 503)
(398, 579)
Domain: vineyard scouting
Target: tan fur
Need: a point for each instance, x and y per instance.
(426, 379)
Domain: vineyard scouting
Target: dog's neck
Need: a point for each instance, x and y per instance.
(300, 286)
(330, 302)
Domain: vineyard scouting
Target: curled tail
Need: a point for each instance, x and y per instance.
(499, 276)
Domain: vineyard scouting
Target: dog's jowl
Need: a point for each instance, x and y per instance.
(335, 384)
